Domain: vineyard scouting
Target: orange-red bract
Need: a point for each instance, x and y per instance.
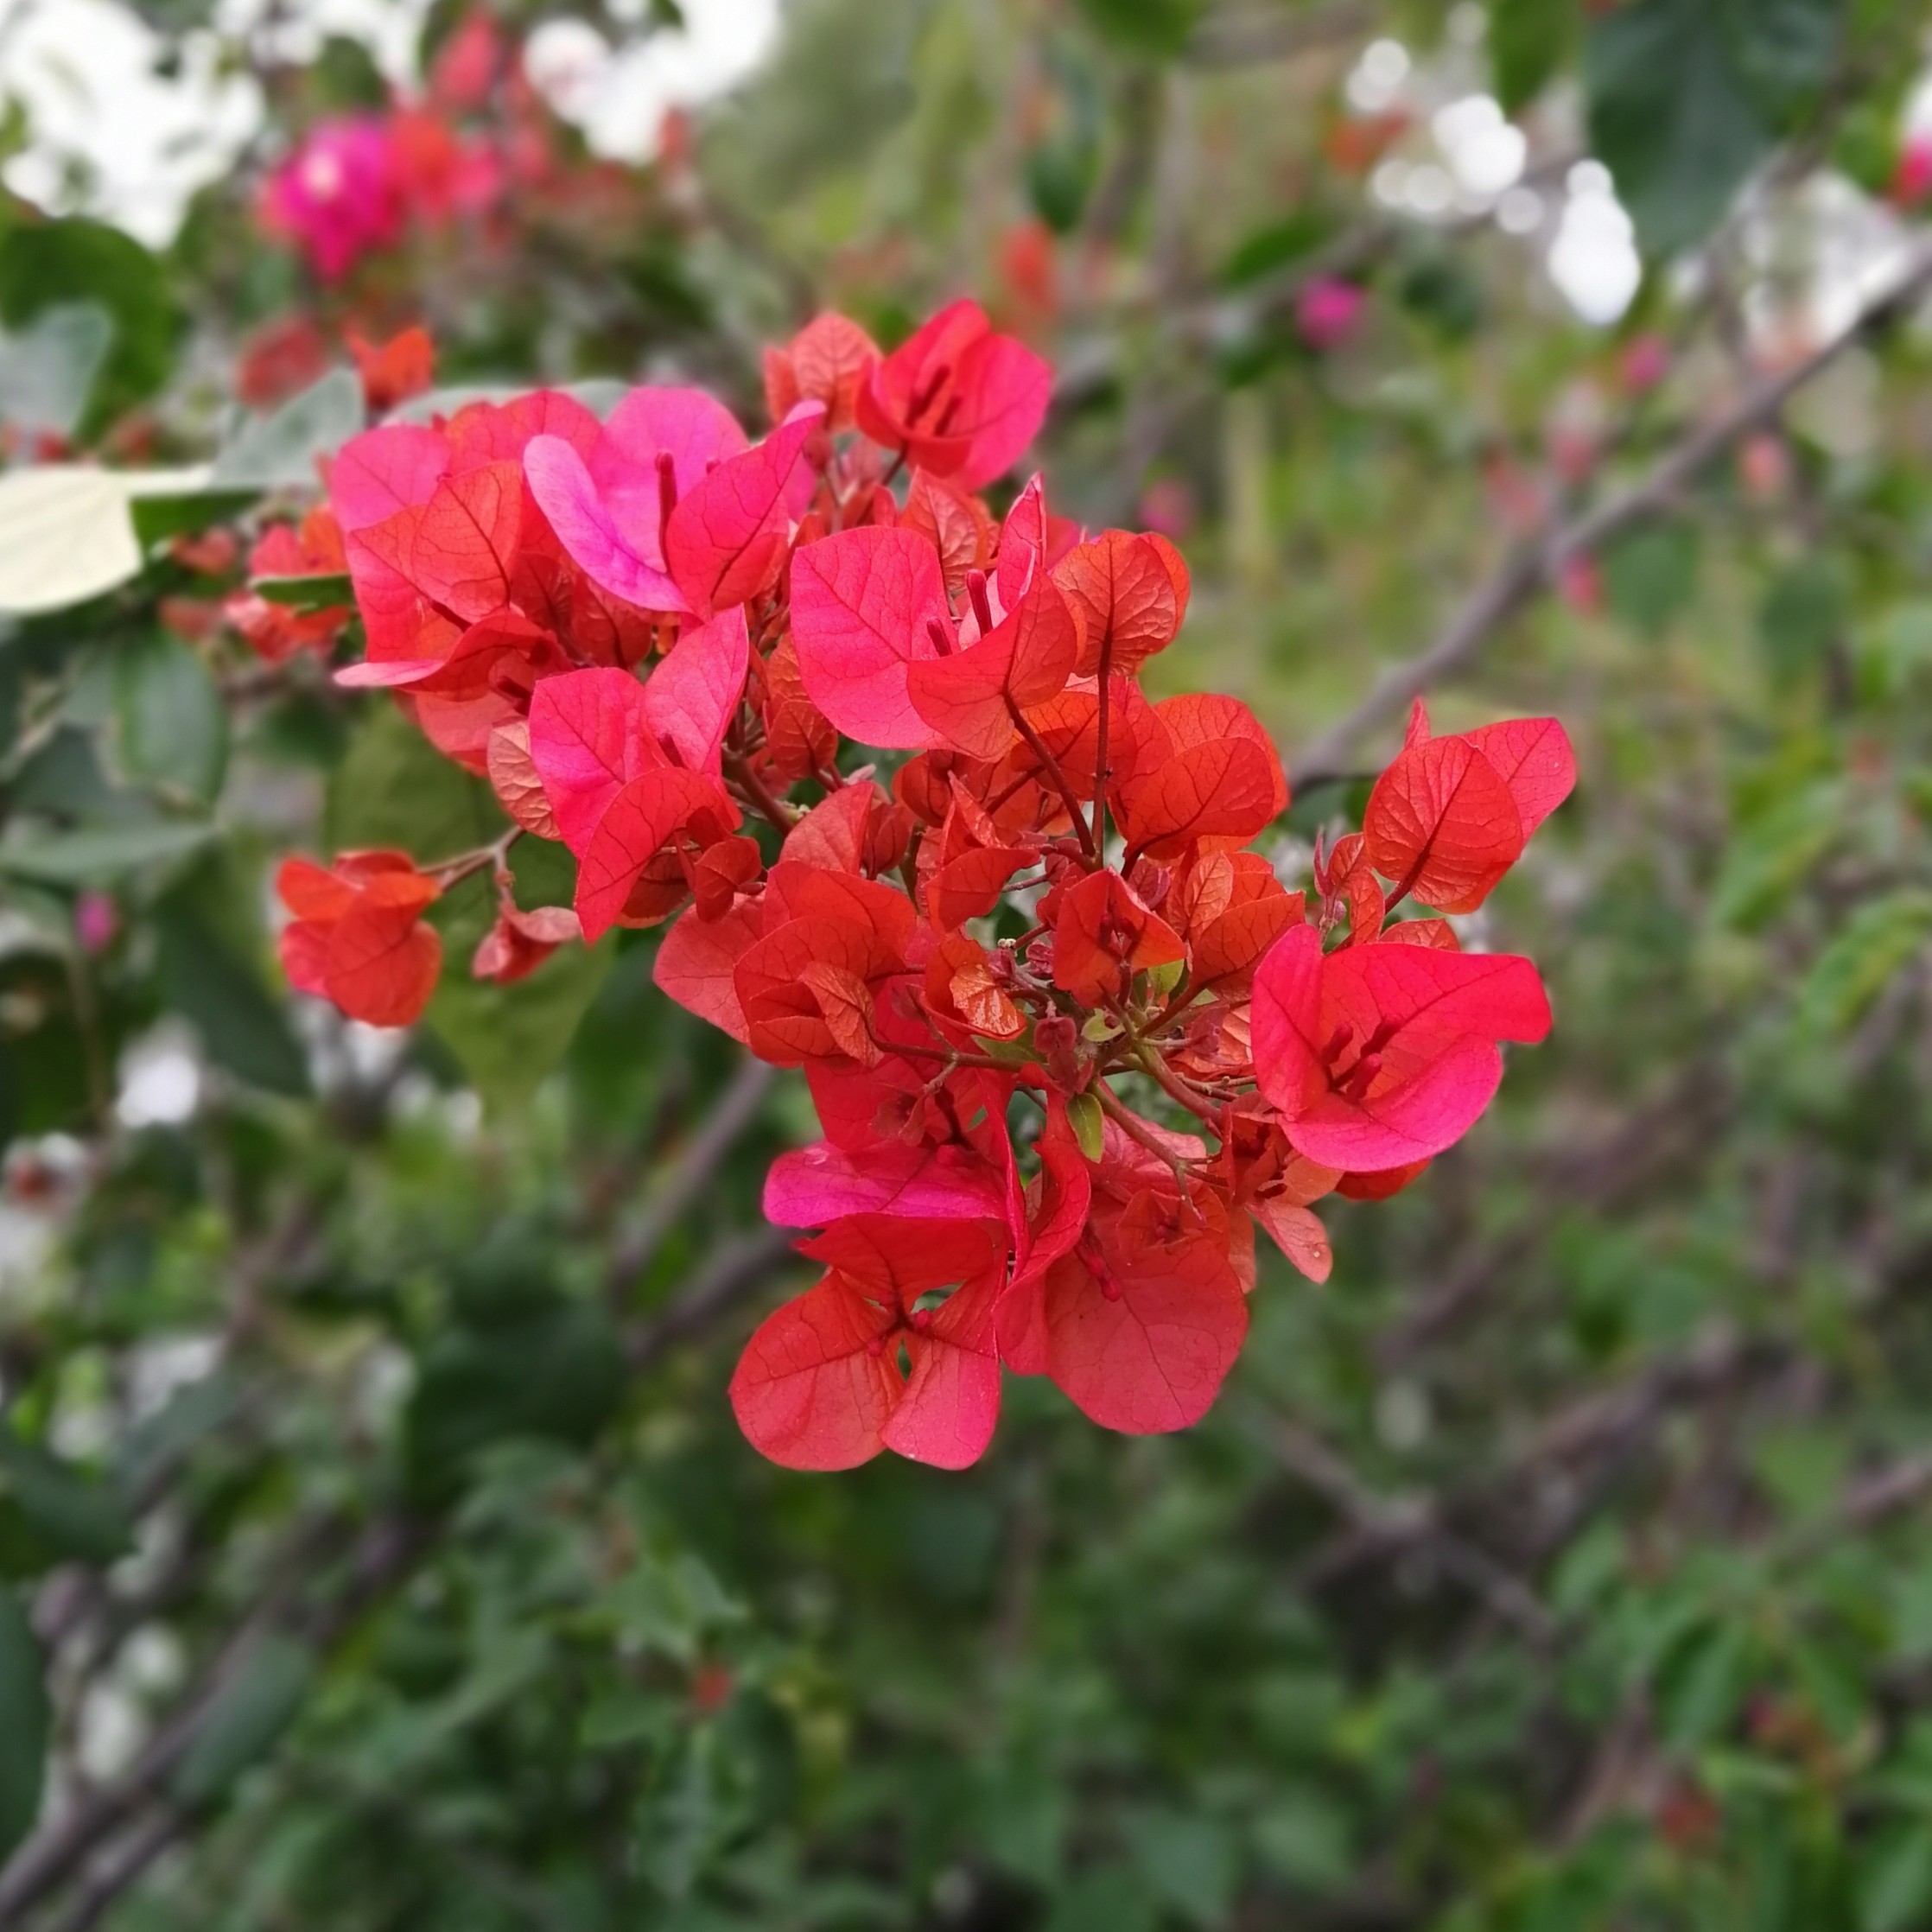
(820, 1384)
(1380, 1055)
(356, 935)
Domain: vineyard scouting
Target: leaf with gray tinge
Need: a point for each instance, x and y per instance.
(92, 858)
(47, 369)
(279, 451)
(171, 727)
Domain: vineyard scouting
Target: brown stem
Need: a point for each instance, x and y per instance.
(949, 1056)
(1101, 772)
(1038, 746)
(1135, 1128)
(453, 872)
(770, 807)
(1177, 1089)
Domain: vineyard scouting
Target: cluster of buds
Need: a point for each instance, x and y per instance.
(1070, 1040)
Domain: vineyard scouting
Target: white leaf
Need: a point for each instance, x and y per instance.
(65, 533)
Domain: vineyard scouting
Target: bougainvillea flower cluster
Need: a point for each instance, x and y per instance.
(356, 182)
(1072, 1038)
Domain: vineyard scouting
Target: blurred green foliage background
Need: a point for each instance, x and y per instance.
(379, 1550)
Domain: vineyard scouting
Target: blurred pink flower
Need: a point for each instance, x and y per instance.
(469, 62)
(439, 173)
(1580, 584)
(1764, 467)
(1167, 508)
(339, 195)
(1911, 180)
(96, 921)
(1328, 311)
(1646, 362)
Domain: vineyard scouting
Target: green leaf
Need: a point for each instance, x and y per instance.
(1166, 977)
(1650, 576)
(279, 451)
(1277, 246)
(1686, 97)
(1060, 176)
(1155, 27)
(50, 265)
(1530, 41)
(393, 788)
(1894, 1881)
(1191, 1864)
(1110, 1898)
(249, 1716)
(51, 1513)
(171, 725)
(508, 1038)
(162, 514)
(555, 1375)
(1703, 1684)
(1803, 615)
(47, 369)
(24, 1723)
(96, 857)
(315, 592)
(243, 1030)
(1879, 938)
(1773, 855)
(1089, 1123)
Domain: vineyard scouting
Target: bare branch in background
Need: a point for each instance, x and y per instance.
(679, 1191)
(1528, 571)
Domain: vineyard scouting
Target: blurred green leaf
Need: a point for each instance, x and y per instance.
(1192, 1863)
(1894, 1882)
(243, 1030)
(1880, 938)
(556, 1375)
(24, 1723)
(48, 368)
(393, 788)
(250, 1711)
(162, 514)
(51, 265)
(91, 857)
(1530, 41)
(279, 451)
(1686, 98)
(1803, 614)
(1770, 856)
(51, 1513)
(172, 726)
(509, 1039)
(1156, 27)
(1279, 245)
(305, 593)
(1650, 577)
(1701, 1687)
